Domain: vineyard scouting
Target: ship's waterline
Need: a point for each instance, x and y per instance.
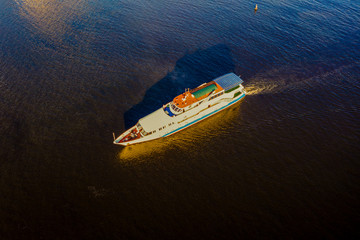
(215, 128)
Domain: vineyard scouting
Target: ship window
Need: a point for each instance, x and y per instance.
(176, 109)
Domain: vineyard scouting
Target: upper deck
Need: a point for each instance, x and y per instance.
(228, 81)
(191, 96)
(224, 82)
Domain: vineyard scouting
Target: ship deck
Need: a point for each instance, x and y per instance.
(130, 135)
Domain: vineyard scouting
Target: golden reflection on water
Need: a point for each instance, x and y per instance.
(52, 18)
(143, 150)
(191, 139)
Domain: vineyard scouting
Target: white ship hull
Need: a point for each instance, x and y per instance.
(162, 124)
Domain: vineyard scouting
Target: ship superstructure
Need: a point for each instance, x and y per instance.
(186, 109)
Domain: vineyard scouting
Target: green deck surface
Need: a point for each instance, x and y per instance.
(204, 91)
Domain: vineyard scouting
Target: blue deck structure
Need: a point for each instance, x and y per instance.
(229, 81)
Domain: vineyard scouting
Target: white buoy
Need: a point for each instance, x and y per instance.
(256, 7)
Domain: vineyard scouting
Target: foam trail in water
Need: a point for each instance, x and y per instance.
(262, 87)
(268, 85)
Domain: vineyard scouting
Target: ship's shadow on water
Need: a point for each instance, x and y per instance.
(189, 72)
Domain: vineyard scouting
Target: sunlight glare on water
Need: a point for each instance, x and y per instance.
(52, 18)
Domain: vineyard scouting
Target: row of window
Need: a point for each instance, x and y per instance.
(165, 126)
(175, 108)
(149, 133)
(215, 96)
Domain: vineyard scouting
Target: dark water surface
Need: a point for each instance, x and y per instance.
(283, 163)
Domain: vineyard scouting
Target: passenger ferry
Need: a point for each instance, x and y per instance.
(189, 108)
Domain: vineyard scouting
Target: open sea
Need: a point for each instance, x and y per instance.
(284, 163)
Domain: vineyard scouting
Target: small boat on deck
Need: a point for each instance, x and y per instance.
(185, 110)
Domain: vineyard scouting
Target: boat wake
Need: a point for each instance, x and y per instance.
(293, 80)
(262, 87)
